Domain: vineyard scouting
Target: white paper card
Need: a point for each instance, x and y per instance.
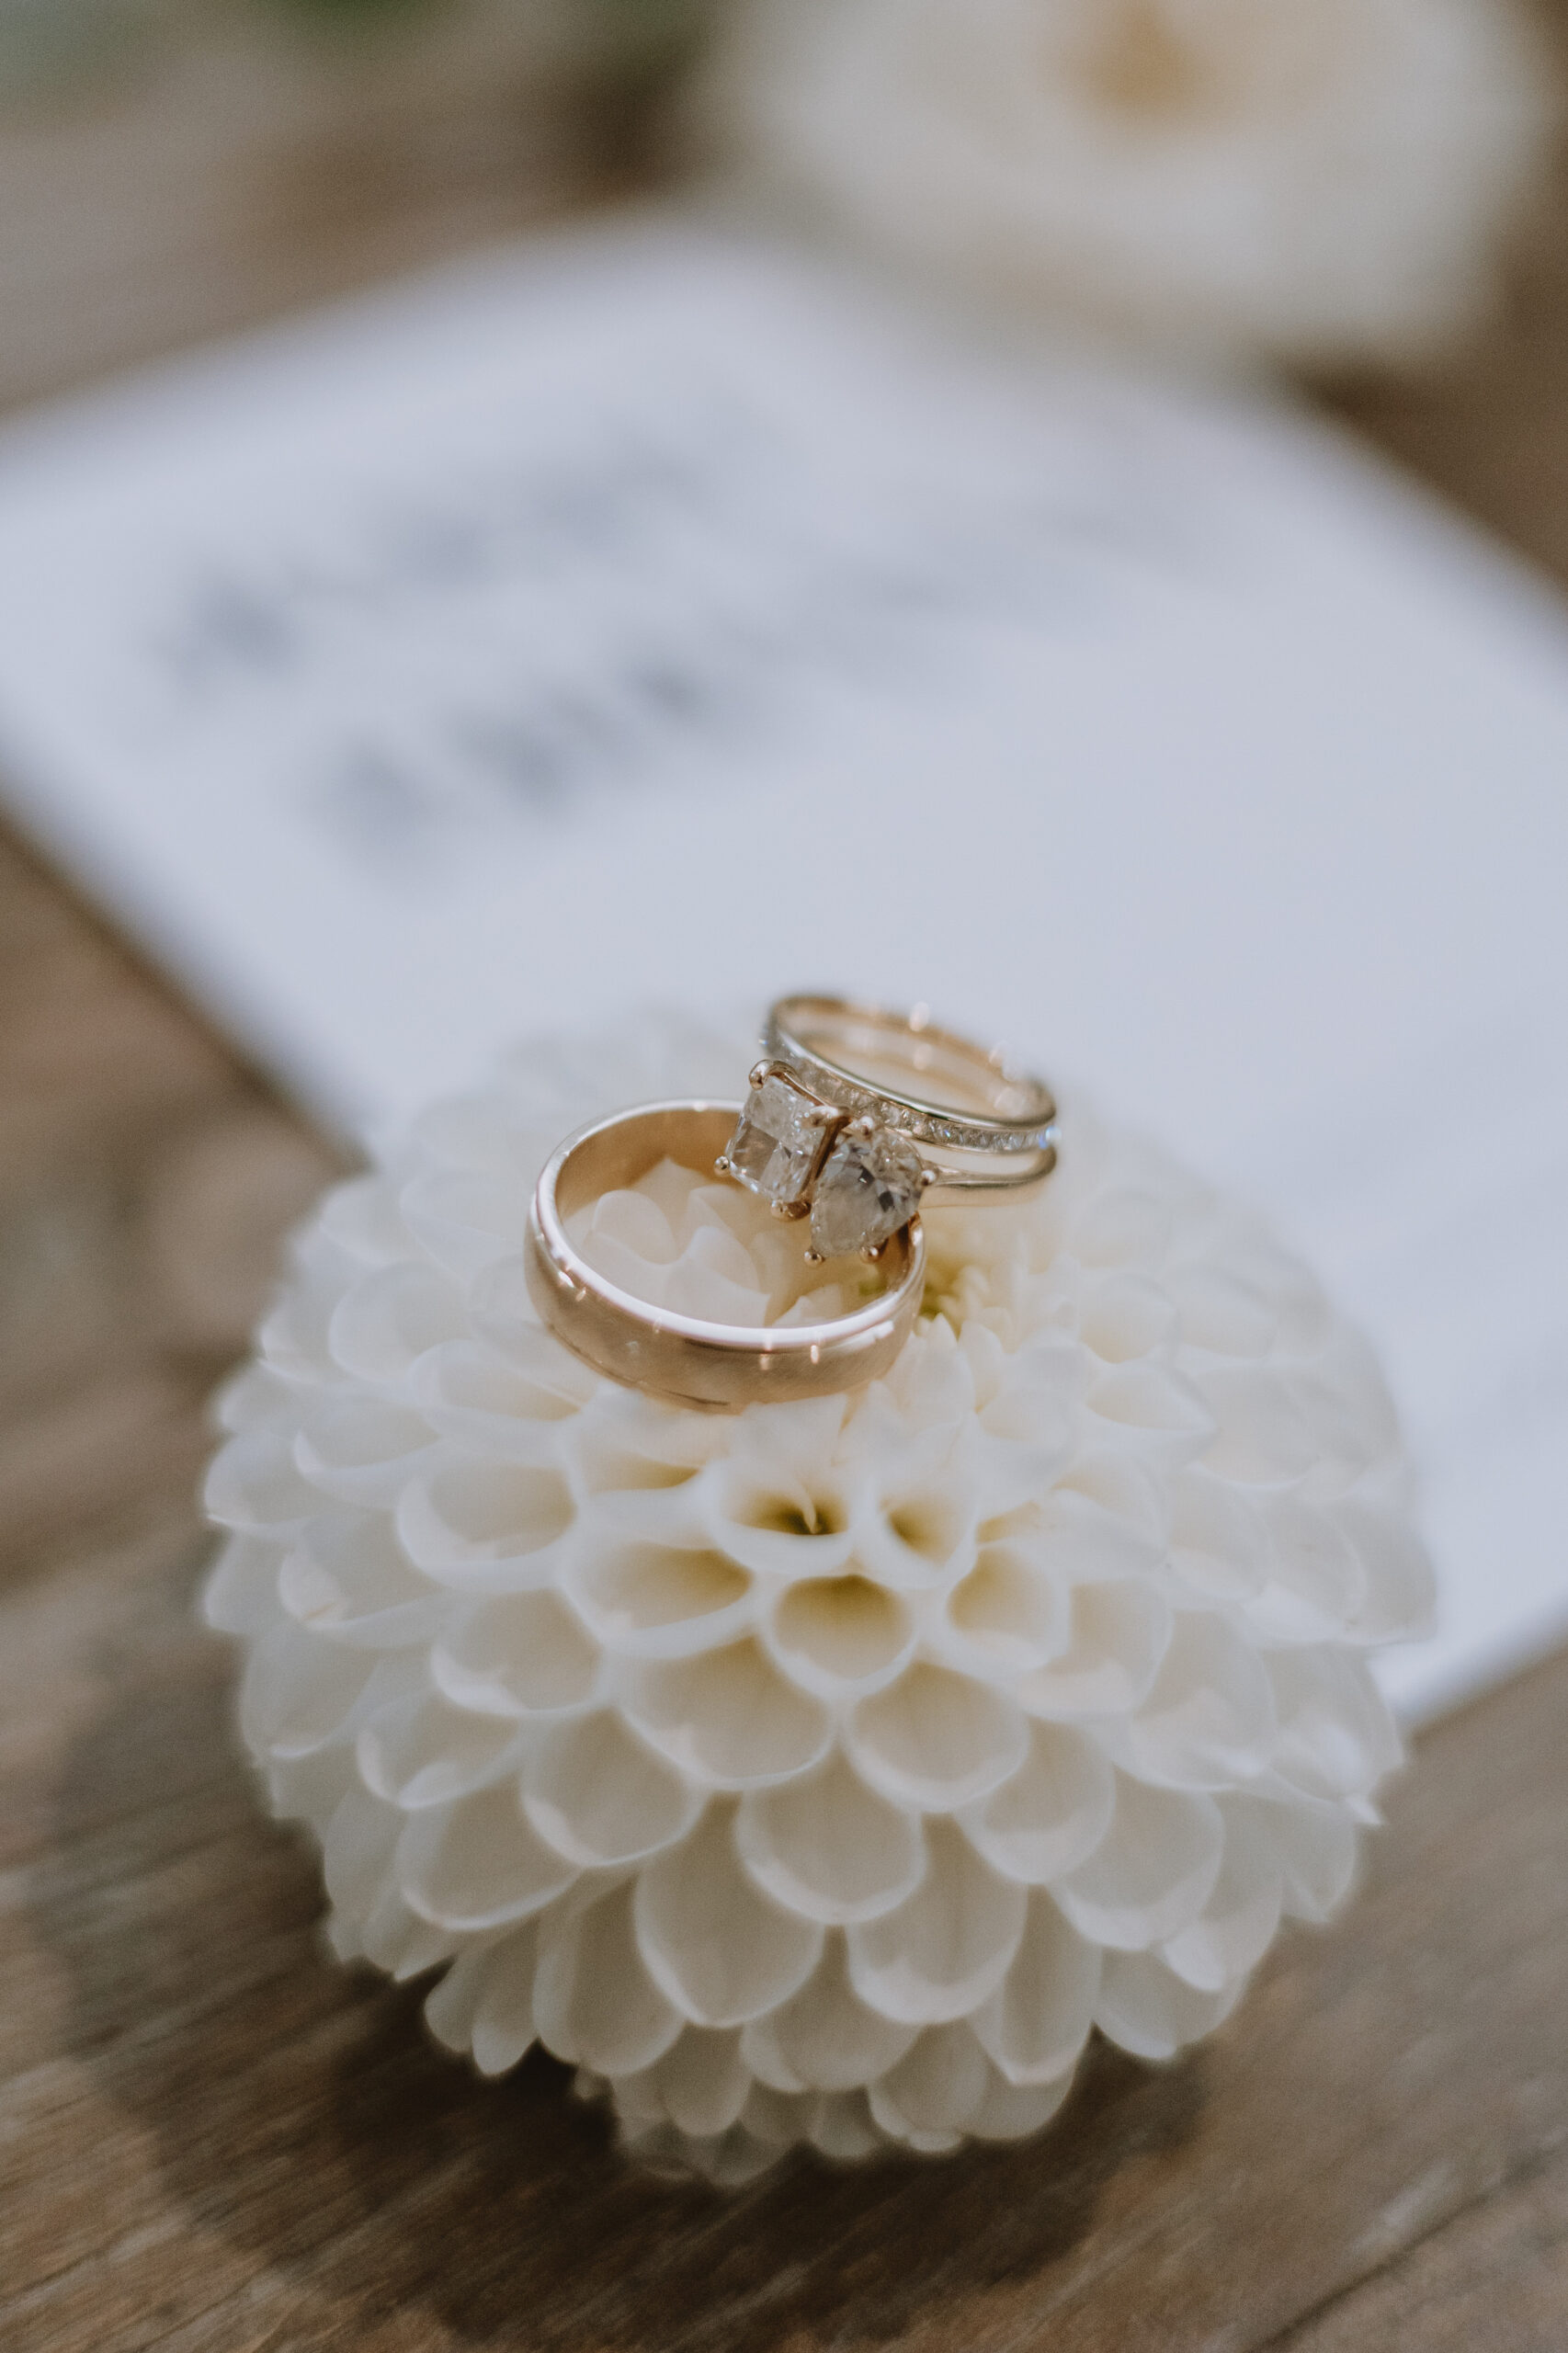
(656, 613)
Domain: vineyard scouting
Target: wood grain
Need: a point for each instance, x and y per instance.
(213, 2141)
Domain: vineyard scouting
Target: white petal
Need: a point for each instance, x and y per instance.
(935, 2087)
(1152, 1873)
(1052, 1811)
(1149, 2012)
(389, 1318)
(449, 2006)
(1315, 1583)
(780, 1526)
(1336, 1737)
(826, 1847)
(728, 1717)
(503, 2012)
(1037, 2020)
(520, 1654)
(1221, 1312)
(1208, 1721)
(255, 1484)
(1263, 1435)
(241, 1592)
(357, 1844)
(1317, 1848)
(594, 2000)
(1400, 1592)
(480, 1525)
(660, 1600)
(1167, 1416)
(843, 2129)
(936, 1739)
(359, 1449)
(1236, 1925)
(601, 1797)
(1119, 1634)
(1125, 1316)
(940, 1955)
(840, 1633)
(470, 1391)
(920, 1538)
(299, 1692)
(1009, 1612)
(1122, 1227)
(824, 2035)
(419, 1750)
(478, 1864)
(1219, 1545)
(347, 1576)
(703, 2081)
(1012, 2111)
(721, 1950)
(467, 1219)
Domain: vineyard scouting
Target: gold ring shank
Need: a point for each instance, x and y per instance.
(682, 1358)
(935, 1085)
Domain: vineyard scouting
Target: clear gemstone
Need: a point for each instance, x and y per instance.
(869, 1187)
(776, 1144)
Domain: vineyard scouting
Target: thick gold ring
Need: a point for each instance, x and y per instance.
(683, 1359)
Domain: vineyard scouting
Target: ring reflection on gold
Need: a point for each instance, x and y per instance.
(683, 1359)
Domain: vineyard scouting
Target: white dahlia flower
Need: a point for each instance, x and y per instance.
(1306, 179)
(825, 1772)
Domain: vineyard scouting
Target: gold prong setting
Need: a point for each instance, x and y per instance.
(857, 1181)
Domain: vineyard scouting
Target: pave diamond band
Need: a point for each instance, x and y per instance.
(903, 1072)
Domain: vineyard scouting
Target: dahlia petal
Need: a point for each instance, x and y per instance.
(942, 1952)
(1152, 1873)
(1122, 1227)
(450, 2004)
(298, 1695)
(1221, 1313)
(1236, 1925)
(479, 1863)
(1167, 1416)
(1315, 1583)
(357, 1844)
(1263, 1437)
(1033, 2027)
(364, 1219)
(1119, 1634)
(1149, 2011)
(387, 1320)
(824, 2038)
(1336, 1737)
(241, 1594)
(722, 1951)
(728, 1717)
(780, 1526)
(503, 2024)
(1399, 1593)
(1219, 1545)
(469, 1392)
(662, 1601)
(602, 1797)
(936, 2087)
(837, 1634)
(1125, 1316)
(1013, 2111)
(1051, 1813)
(484, 1527)
(935, 1739)
(517, 1654)
(594, 2000)
(255, 1486)
(703, 2081)
(843, 2129)
(347, 1576)
(1316, 1845)
(1208, 1721)
(1007, 1615)
(418, 1750)
(466, 1219)
(828, 1848)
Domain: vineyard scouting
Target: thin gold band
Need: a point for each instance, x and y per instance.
(683, 1359)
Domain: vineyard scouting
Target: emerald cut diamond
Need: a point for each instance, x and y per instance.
(870, 1187)
(780, 1138)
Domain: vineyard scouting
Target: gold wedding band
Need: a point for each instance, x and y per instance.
(684, 1358)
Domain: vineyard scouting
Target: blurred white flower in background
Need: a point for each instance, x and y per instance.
(1307, 180)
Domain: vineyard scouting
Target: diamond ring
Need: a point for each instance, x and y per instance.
(830, 1128)
(687, 1359)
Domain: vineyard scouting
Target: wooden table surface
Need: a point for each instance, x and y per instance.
(211, 2138)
